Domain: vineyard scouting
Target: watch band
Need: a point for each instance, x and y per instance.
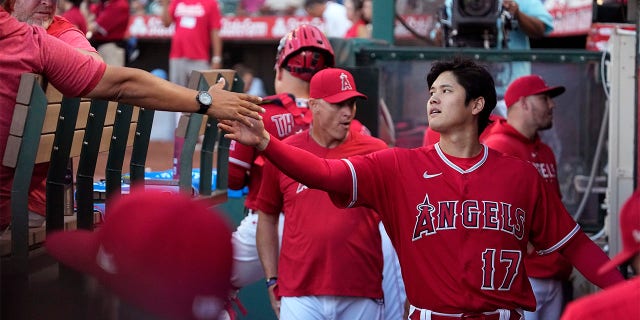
(272, 281)
(203, 109)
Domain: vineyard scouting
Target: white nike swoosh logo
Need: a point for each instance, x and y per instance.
(429, 176)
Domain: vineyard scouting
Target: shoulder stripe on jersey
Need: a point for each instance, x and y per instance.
(454, 166)
(240, 163)
(561, 242)
(354, 182)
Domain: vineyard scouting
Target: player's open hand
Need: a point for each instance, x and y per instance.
(234, 106)
(253, 135)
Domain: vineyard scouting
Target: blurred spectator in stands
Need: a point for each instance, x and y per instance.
(360, 27)
(282, 7)
(197, 35)
(334, 15)
(250, 7)
(107, 30)
(138, 7)
(71, 11)
(252, 84)
(413, 6)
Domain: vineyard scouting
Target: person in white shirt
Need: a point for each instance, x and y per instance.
(334, 15)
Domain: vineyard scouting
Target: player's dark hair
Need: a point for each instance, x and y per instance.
(476, 81)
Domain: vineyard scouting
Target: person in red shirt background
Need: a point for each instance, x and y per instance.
(530, 105)
(195, 45)
(71, 11)
(107, 30)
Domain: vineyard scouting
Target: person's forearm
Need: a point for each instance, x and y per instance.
(134, 86)
(587, 257)
(267, 243)
(531, 26)
(216, 43)
(165, 16)
(330, 175)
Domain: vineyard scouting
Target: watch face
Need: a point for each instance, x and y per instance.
(205, 98)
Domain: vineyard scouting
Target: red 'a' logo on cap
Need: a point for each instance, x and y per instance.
(345, 82)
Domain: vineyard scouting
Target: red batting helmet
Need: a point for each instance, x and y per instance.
(304, 51)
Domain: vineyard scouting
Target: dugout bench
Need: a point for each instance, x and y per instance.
(49, 127)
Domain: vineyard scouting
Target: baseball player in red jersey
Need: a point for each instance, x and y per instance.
(530, 107)
(301, 53)
(330, 264)
(459, 214)
(621, 301)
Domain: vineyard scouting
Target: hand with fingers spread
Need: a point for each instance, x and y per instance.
(233, 106)
(252, 134)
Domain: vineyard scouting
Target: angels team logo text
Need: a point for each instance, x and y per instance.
(469, 214)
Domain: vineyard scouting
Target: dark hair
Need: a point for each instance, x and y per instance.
(309, 3)
(476, 81)
(76, 3)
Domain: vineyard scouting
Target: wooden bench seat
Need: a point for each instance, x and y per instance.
(48, 127)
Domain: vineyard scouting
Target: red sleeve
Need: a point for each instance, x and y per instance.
(587, 257)
(270, 195)
(241, 160)
(75, 75)
(331, 175)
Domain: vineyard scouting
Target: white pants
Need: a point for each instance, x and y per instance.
(247, 267)
(112, 54)
(548, 294)
(392, 284)
(330, 308)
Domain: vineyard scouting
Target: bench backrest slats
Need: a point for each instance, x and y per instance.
(50, 128)
(30, 94)
(92, 144)
(62, 142)
(191, 126)
(117, 149)
(141, 146)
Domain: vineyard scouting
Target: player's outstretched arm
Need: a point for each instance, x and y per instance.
(587, 257)
(330, 175)
(138, 87)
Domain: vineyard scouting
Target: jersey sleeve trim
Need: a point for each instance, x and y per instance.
(354, 181)
(561, 242)
(240, 163)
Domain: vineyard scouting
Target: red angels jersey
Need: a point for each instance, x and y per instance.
(506, 139)
(461, 226)
(284, 115)
(194, 20)
(325, 250)
(616, 302)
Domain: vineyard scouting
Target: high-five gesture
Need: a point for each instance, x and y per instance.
(254, 135)
(231, 105)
